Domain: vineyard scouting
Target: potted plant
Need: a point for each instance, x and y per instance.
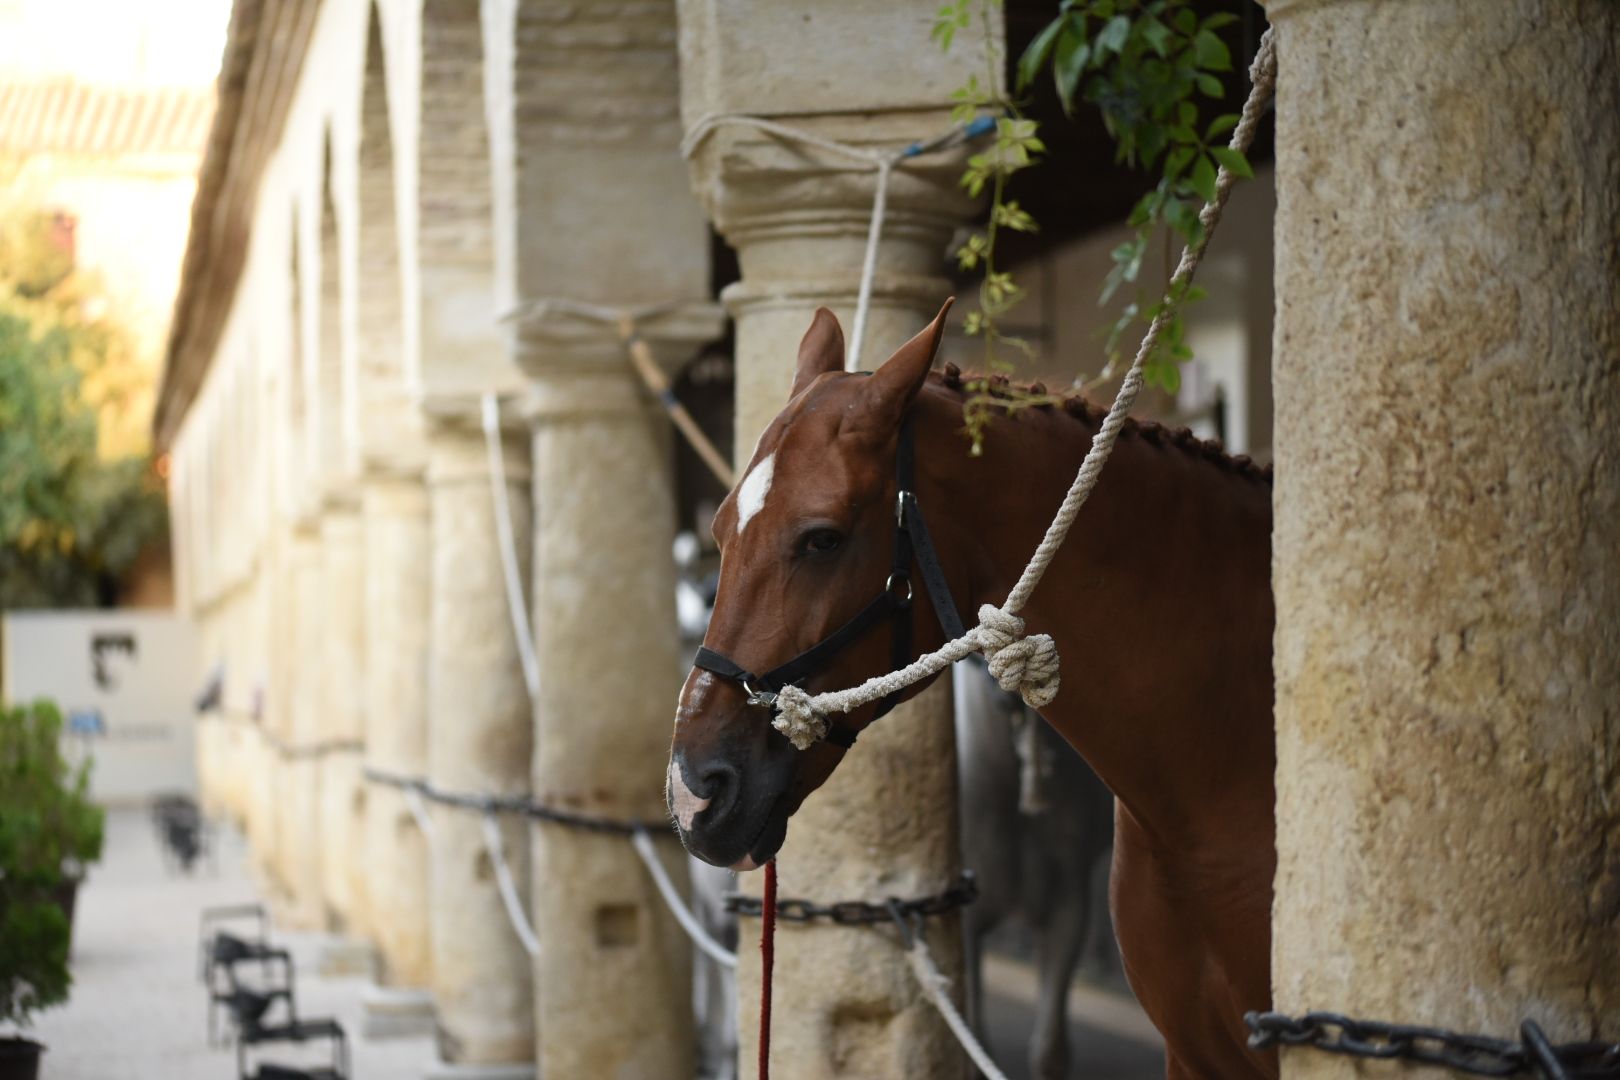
(49, 833)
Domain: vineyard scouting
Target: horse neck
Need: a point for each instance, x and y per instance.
(1159, 601)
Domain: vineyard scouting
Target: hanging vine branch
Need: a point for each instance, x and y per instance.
(1151, 68)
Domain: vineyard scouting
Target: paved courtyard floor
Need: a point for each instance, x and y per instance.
(138, 1012)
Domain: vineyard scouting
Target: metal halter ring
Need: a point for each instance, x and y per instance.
(758, 697)
(888, 587)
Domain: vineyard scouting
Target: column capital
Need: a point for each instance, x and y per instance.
(576, 360)
(457, 453)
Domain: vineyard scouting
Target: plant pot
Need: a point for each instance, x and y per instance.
(19, 1059)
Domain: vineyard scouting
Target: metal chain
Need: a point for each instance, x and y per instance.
(1476, 1055)
(860, 912)
(517, 804)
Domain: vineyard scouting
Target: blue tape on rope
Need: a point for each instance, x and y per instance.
(980, 126)
(667, 396)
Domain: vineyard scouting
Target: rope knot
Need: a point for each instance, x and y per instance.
(797, 718)
(1025, 664)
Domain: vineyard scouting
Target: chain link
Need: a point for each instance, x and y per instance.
(1476, 1055)
(860, 912)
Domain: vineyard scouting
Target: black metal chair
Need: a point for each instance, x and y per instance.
(182, 833)
(207, 934)
(300, 1031)
(246, 1004)
(253, 1033)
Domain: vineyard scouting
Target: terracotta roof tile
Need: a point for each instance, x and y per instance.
(64, 116)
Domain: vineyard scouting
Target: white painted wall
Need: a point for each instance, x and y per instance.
(143, 694)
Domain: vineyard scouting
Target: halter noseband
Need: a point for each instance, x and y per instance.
(911, 542)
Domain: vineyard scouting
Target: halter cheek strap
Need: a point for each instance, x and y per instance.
(912, 543)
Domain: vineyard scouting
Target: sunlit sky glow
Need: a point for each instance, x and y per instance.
(121, 42)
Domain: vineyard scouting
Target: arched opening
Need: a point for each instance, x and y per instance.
(329, 358)
(379, 289)
(293, 445)
(456, 236)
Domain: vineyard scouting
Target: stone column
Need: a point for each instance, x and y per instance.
(299, 824)
(261, 772)
(397, 575)
(1448, 515)
(479, 740)
(614, 979)
(885, 824)
(592, 204)
(343, 703)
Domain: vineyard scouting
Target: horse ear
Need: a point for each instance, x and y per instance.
(892, 387)
(821, 351)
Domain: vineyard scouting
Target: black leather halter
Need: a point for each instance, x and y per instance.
(911, 543)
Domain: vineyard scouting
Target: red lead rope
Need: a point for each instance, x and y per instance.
(767, 961)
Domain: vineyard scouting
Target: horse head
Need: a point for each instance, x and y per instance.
(808, 593)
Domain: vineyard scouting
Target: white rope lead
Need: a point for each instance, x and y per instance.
(717, 952)
(1029, 665)
(516, 603)
(508, 887)
(936, 987)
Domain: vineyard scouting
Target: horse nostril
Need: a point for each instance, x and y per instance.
(720, 785)
(714, 794)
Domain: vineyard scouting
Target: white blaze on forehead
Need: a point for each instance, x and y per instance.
(755, 486)
(686, 805)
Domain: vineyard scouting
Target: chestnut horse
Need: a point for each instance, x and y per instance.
(1160, 604)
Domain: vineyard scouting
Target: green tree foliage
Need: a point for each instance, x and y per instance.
(71, 523)
(49, 832)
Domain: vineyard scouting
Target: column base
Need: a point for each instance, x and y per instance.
(395, 1012)
(445, 1070)
(343, 956)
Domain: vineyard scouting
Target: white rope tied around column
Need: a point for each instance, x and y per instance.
(419, 812)
(538, 310)
(508, 887)
(1029, 664)
(883, 161)
(516, 604)
(642, 841)
(937, 988)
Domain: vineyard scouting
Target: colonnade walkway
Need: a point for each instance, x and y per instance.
(137, 1010)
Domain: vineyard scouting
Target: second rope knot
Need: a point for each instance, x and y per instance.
(1027, 665)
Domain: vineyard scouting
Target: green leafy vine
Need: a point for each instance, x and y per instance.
(1150, 67)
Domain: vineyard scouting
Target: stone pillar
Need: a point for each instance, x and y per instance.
(299, 819)
(479, 740)
(1448, 515)
(614, 979)
(592, 204)
(397, 575)
(885, 824)
(342, 679)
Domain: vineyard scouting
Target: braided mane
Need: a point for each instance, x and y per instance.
(1149, 431)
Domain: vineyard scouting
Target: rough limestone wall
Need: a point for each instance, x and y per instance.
(1447, 546)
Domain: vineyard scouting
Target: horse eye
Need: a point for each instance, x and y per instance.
(820, 541)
